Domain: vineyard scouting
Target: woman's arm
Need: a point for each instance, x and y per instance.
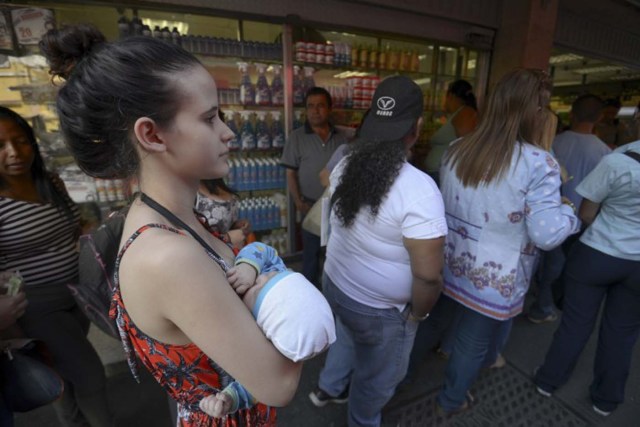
(588, 211)
(549, 221)
(426, 258)
(183, 288)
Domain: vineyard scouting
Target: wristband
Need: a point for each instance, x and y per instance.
(415, 318)
(570, 204)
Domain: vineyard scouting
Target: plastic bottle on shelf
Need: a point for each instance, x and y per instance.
(382, 57)
(101, 189)
(363, 59)
(247, 132)
(354, 56)
(309, 82)
(234, 144)
(263, 91)
(415, 61)
(146, 31)
(373, 58)
(247, 89)
(298, 86)
(231, 176)
(277, 88)
(157, 33)
(277, 130)
(330, 52)
(263, 136)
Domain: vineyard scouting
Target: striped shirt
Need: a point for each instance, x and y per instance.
(39, 241)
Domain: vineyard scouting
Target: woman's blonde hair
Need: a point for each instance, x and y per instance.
(547, 130)
(513, 114)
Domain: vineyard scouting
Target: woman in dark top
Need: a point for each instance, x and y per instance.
(38, 234)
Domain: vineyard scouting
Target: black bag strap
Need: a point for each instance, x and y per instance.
(179, 223)
(633, 155)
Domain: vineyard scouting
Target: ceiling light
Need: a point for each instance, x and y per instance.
(183, 27)
(565, 57)
(599, 69)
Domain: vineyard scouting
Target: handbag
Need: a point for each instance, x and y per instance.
(312, 222)
(26, 381)
(97, 260)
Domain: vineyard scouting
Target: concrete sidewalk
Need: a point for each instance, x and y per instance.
(506, 397)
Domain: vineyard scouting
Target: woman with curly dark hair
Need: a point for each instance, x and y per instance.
(382, 273)
(39, 227)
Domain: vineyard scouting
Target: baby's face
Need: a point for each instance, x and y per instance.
(251, 295)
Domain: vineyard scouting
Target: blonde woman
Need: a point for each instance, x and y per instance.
(501, 187)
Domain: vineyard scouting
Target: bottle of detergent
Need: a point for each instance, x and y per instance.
(247, 89)
(277, 88)
(233, 144)
(309, 82)
(247, 132)
(263, 135)
(277, 130)
(263, 91)
(298, 86)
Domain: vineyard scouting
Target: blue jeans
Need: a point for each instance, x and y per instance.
(371, 353)
(478, 341)
(549, 271)
(591, 277)
(442, 325)
(28, 382)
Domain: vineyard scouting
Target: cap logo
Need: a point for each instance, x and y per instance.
(386, 103)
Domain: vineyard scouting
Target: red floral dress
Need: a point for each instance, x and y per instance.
(184, 371)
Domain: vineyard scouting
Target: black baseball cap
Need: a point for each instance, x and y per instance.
(397, 104)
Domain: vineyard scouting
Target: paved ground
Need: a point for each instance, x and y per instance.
(506, 396)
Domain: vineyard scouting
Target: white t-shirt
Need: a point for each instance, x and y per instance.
(368, 261)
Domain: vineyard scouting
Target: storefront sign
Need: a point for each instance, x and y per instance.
(31, 24)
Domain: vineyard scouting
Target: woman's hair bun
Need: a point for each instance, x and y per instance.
(66, 46)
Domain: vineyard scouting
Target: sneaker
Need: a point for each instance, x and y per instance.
(600, 411)
(539, 389)
(543, 392)
(545, 319)
(320, 397)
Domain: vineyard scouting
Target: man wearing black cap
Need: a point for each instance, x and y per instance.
(384, 256)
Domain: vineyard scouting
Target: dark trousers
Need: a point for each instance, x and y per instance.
(54, 317)
(590, 277)
(310, 256)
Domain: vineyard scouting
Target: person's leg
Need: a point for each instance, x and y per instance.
(500, 338)
(586, 278)
(382, 341)
(54, 318)
(619, 331)
(310, 256)
(475, 335)
(6, 416)
(552, 263)
(336, 373)
(440, 321)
